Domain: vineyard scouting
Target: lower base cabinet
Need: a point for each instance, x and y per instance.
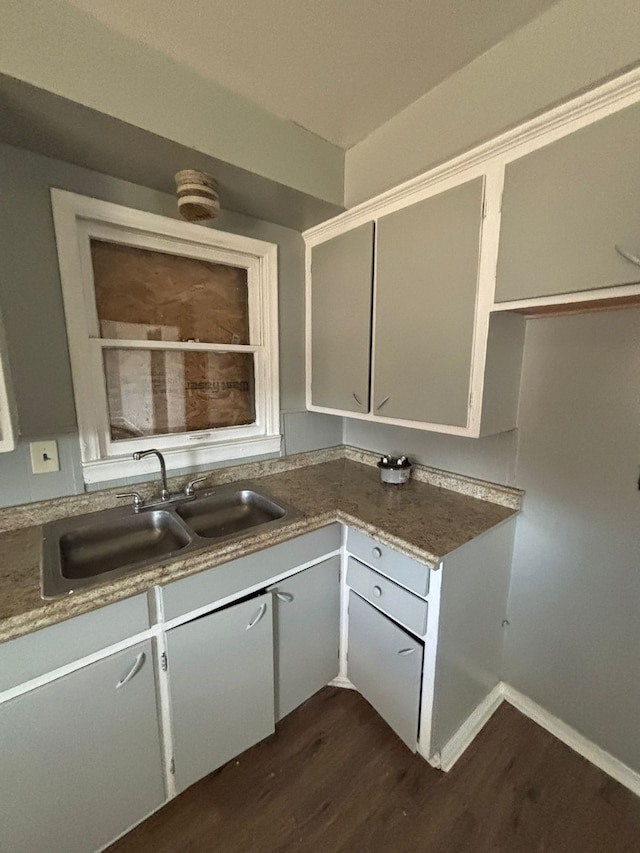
(220, 669)
(307, 633)
(80, 757)
(385, 666)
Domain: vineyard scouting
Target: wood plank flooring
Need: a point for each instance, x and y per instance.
(335, 779)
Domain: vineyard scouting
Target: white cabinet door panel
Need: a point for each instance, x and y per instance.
(80, 757)
(427, 272)
(384, 663)
(307, 632)
(221, 683)
(564, 209)
(342, 271)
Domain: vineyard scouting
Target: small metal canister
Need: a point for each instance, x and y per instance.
(394, 469)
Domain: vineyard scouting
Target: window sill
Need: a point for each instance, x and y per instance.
(118, 468)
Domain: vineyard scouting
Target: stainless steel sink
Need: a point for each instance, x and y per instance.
(104, 547)
(229, 512)
(88, 549)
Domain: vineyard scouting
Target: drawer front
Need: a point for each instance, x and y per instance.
(398, 567)
(206, 588)
(36, 654)
(388, 597)
(384, 663)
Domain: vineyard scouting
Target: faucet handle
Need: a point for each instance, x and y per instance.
(190, 488)
(138, 500)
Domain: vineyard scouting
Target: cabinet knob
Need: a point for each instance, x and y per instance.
(377, 591)
(377, 552)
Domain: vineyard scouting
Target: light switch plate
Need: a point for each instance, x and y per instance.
(44, 457)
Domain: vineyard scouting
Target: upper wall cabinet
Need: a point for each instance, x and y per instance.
(341, 320)
(425, 298)
(567, 206)
(398, 326)
(417, 299)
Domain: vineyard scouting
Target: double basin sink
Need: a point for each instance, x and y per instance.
(87, 549)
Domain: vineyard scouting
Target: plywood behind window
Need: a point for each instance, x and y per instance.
(182, 299)
(155, 392)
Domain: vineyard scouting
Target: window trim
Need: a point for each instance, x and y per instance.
(76, 219)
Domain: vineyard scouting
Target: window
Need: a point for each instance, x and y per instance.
(173, 337)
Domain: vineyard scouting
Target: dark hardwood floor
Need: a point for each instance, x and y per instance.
(335, 779)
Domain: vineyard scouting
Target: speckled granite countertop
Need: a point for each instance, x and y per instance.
(420, 519)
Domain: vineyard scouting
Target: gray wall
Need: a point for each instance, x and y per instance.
(574, 602)
(570, 47)
(574, 641)
(62, 49)
(491, 458)
(31, 303)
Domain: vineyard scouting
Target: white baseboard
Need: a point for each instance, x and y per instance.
(341, 681)
(583, 746)
(503, 692)
(454, 748)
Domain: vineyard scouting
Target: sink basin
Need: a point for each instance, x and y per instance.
(81, 550)
(87, 549)
(127, 541)
(229, 512)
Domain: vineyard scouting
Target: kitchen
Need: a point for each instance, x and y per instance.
(572, 638)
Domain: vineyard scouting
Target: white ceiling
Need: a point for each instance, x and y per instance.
(339, 68)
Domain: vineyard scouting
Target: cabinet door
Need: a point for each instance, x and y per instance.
(80, 757)
(564, 209)
(427, 272)
(341, 276)
(221, 682)
(307, 631)
(384, 663)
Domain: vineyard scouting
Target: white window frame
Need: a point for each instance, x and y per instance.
(77, 219)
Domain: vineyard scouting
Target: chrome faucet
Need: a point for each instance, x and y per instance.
(140, 454)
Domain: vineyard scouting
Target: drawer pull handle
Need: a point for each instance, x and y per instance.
(405, 652)
(135, 669)
(284, 596)
(629, 256)
(261, 612)
(377, 552)
(377, 591)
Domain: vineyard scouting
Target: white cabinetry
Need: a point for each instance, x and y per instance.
(385, 665)
(425, 647)
(307, 632)
(80, 757)
(221, 683)
(427, 278)
(565, 208)
(425, 325)
(342, 270)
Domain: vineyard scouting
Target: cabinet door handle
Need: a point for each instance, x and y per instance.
(357, 399)
(405, 652)
(256, 619)
(383, 403)
(284, 596)
(377, 552)
(135, 669)
(377, 591)
(629, 256)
